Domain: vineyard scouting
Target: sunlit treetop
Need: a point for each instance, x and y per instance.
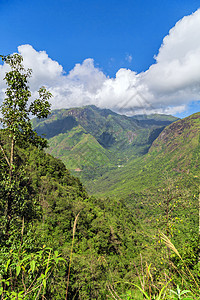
(16, 110)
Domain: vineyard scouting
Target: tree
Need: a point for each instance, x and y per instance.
(16, 113)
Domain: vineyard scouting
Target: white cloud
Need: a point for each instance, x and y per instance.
(45, 70)
(87, 75)
(175, 77)
(167, 86)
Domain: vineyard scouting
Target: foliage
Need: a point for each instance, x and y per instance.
(175, 154)
(15, 110)
(27, 275)
(178, 294)
(152, 192)
(15, 193)
(105, 238)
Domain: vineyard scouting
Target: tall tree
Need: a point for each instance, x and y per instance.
(16, 112)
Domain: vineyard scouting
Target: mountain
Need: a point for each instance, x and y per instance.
(174, 154)
(162, 186)
(155, 191)
(153, 168)
(92, 141)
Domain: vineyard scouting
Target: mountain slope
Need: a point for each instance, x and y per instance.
(80, 150)
(93, 140)
(175, 153)
(103, 227)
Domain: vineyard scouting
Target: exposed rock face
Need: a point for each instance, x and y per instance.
(179, 144)
(177, 133)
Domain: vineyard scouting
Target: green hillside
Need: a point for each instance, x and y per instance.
(91, 141)
(80, 151)
(47, 202)
(175, 153)
(151, 193)
(57, 241)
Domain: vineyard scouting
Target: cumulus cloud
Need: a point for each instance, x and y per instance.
(166, 87)
(175, 77)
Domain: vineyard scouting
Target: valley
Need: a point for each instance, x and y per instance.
(105, 190)
(150, 164)
(97, 143)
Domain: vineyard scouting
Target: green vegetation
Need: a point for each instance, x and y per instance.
(80, 150)
(101, 233)
(174, 154)
(97, 141)
(57, 241)
(15, 119)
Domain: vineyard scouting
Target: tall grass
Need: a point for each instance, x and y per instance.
(171, 246)
(70, 260)
(147, 286)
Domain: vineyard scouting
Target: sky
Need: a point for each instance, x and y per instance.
(131, 56)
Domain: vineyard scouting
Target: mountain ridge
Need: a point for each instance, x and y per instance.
(115, 137)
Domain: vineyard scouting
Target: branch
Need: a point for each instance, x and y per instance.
(23, 281)
(11, 157)
(111, 290)
(6, 158)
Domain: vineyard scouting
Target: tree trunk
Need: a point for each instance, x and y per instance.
(10, 197)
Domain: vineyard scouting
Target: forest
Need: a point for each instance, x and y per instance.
(128, 232)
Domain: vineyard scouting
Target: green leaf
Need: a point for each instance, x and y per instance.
(162, 290)
(44, 283)
(32, 265)
(7, 264)
(56, 253)
(47, 270)
(144, 293)
(61, 259)
(18, 269)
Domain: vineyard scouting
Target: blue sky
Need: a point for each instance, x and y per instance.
(94, 42)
